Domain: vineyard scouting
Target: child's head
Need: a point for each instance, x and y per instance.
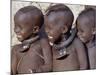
(90, 6)
(27, 21)
(58, 21)
(86, 24)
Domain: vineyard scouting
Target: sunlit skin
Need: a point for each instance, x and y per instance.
(23, 26)
(86, 33)
(26, 27)
(56, 25)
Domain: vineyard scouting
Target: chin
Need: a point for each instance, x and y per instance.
(20, 39)
(51, 41)
(83, 40)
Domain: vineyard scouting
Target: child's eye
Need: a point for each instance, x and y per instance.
(18, 26)
(81, 31)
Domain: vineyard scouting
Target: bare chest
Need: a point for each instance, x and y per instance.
(30, 59)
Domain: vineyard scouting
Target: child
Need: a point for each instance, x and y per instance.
(86, 24)
(90, 6)
(33, 54)
(58, 22)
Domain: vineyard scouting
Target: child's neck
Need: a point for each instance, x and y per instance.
(62, 39)
(26, 43)
(65, 37)
(31, 39)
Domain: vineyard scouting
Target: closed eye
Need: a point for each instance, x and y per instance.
(80, 30)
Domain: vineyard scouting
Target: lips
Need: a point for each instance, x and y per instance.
(20, 38)
(82, 39)
(51, 43)
(50, 37)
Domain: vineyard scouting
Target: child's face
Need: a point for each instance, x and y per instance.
(85, 31)
(54, 27)
(23, 26)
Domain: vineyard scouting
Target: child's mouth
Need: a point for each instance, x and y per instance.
(50, 37)
(51, 43)
(19, 36)
(82, 39)
(50, 40)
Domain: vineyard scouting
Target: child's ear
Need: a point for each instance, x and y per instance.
(64, 29)
(93, 31)
(35, 29)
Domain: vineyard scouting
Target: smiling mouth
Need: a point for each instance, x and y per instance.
(51, 43)
(50, 40)
(50, 37)
(19, 36)
(82, 39)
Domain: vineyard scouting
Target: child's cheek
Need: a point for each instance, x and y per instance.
(82, 37)
(57, 35)
(53, 36)
(24, 34)
(85, 37)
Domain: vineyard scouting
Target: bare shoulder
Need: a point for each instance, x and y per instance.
(78, 43)
(36, 45)
(16, 48)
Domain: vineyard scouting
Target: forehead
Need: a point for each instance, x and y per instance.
(84, 22)
(23, 18)
(56, 17)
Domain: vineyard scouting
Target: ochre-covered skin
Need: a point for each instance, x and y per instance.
(65, 43)
(34, 59)
(34, 54)
(58, 22)
(86, 24)
(76, 59)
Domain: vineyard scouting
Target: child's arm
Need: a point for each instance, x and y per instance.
(81, 54)
(47, 53)
(13, 61)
